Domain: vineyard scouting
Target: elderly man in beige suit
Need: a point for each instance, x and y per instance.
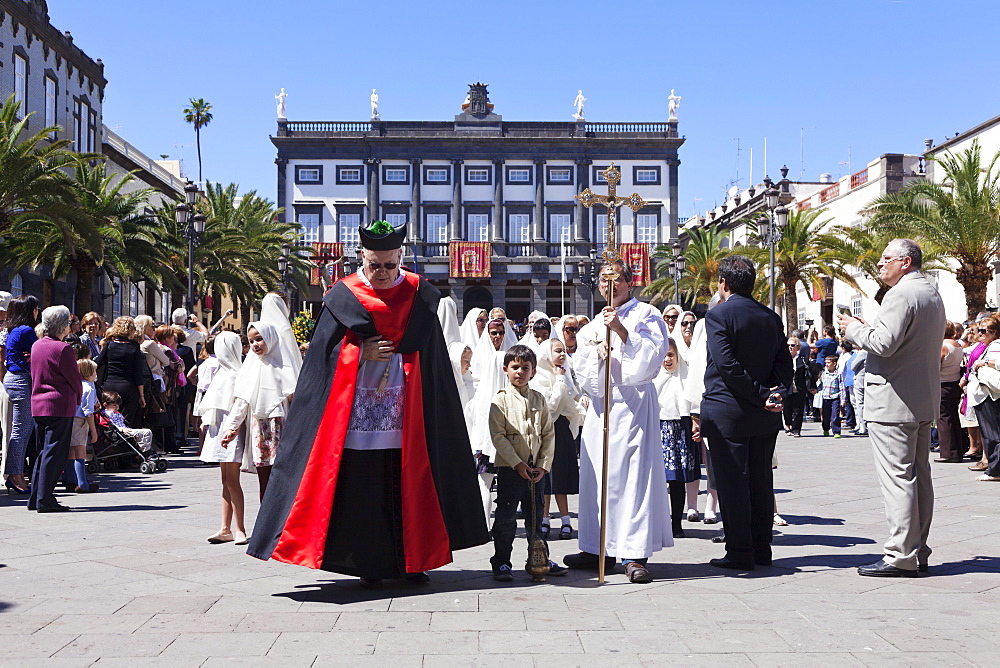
(902, 393)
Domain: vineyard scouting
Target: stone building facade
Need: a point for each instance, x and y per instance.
(480, 178)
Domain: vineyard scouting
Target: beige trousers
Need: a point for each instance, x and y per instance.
(902, 461)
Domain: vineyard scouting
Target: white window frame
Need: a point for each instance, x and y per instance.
(652, 176)
(305, 172)
(345, 171)
(520, 228)
(78, 125)
(310, 227)
(395, 219)
(479, 226)
(856, 304)
(51, 102)
(801, 320)
(560, 228)
(429, 175)
(556, 172)
(116, 299)
(16, 285)
(645, 228)
(601, 228)
(514, 171)
(437, 226)
(400, 172)
(21, 84)
(347, 231)
(480, 175)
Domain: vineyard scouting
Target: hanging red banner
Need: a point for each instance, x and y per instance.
(326, 268)
(470, 259)
(636, 256)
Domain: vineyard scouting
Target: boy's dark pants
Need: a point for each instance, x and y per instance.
(512, 489)
(831, 417)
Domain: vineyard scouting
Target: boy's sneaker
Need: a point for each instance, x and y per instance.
(836, 435)
(503, 574)
(826, 433)
(557, 569)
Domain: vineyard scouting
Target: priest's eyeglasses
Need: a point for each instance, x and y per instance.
(388, 266)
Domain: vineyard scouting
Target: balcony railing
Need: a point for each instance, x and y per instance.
(328, 126)
(627, 127)
(828, 194)
(859, 179)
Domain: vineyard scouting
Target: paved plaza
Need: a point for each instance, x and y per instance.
(128, 579)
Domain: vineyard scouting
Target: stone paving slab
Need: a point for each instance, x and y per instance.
(128, 579)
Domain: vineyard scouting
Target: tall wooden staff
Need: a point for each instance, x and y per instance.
(612, 175)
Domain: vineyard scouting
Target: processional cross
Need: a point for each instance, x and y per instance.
(612, 175)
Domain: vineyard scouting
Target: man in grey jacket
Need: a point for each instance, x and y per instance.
(902, 394)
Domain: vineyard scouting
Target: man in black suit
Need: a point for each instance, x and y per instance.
(749, 371)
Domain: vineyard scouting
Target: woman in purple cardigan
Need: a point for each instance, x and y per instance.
(56, 389)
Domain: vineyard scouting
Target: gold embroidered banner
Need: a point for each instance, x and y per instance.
(470, 259)
(323, 263)
(637, 257)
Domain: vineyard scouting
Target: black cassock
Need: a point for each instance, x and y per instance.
(373, 513)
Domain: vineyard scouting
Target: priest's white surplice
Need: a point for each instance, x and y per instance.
(638, 505)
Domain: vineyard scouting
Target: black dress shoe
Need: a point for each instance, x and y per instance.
(761, 558)
(733, 564)
(588, 561)
(880, 569)
(418, 578)
(922, 568)
(637, 573)
(371, 583)
(58, 508)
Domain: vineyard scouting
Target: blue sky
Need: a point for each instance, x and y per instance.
(825, 82)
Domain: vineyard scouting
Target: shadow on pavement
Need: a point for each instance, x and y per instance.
(117, 509)
(812, 519)
(811, 539)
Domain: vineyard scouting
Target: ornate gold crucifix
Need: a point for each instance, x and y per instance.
(612, 201)
(612, 175)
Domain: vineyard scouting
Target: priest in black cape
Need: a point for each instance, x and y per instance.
(374, 475)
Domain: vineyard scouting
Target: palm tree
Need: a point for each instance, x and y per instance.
(34, 185)
(126, 241)
(801, 259)
(861, 246)
(702, 255)
(199, 114)
(960, 215)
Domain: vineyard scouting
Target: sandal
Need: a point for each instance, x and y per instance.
(692, 515)
(979, 466)
(544, 532)
(987, 478)
(566, 532)
(779, 521)
(710, 519)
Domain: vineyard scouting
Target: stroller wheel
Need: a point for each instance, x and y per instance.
(161, 465)
(92, 467)
(147, 468)
(110, 465)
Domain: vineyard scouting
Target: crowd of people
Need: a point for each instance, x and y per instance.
(67, 380)
(395, 371)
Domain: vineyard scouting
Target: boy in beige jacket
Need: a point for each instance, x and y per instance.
(522, 433)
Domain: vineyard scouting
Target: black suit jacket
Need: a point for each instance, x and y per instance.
(747, 355)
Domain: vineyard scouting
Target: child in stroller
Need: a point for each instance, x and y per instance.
(122, 442)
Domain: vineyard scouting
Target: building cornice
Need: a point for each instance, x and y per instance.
(962, 137)
(33, 16)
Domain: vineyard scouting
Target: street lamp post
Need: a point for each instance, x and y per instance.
(772, 228)
(676, 268)
(285, 266)
(588, 275)
(192, 227)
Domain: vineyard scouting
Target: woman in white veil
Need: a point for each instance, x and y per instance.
(556, 381)
(273, 310)
(448, 315)
(529, 335)
(484, 352)
(215, 407)
(473, 327)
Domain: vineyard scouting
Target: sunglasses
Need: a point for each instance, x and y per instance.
(687, 323)
(670, 317)
(389, 266)
(984, 331)
(482, 320)
(500, 333)
(571, 330)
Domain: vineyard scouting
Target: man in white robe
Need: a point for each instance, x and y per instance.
(638, 522)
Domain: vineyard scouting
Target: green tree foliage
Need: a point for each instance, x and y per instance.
(702, 255)
(198, 114)
(960, 216)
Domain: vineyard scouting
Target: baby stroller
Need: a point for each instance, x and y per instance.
(115, 449)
